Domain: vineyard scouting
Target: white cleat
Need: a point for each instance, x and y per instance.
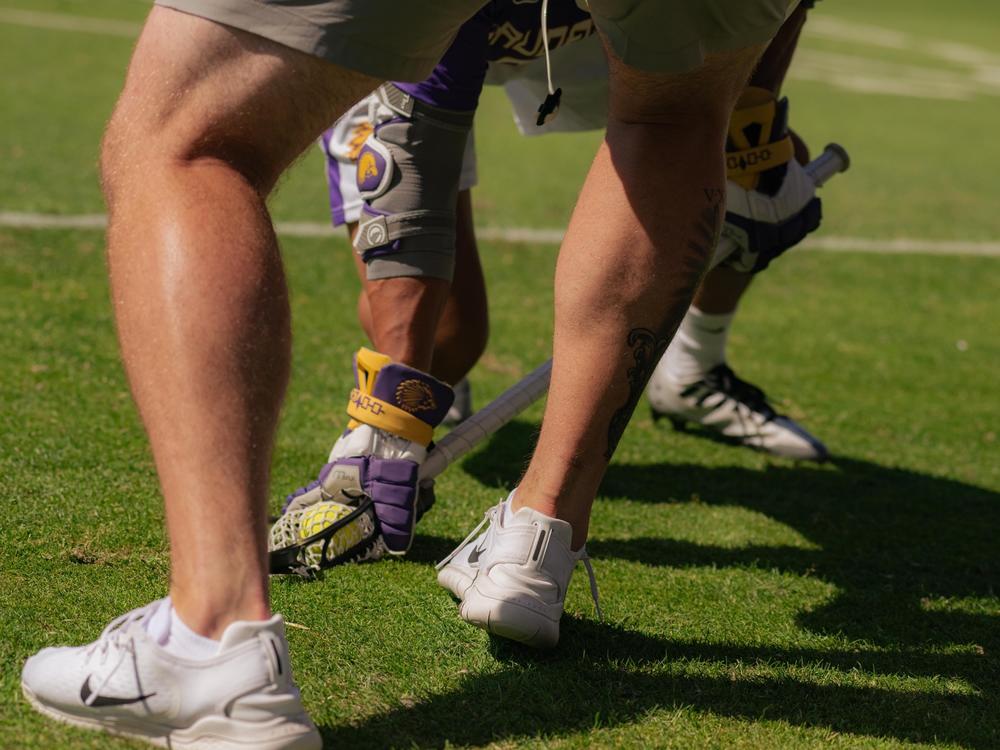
(513, 578)
(724, 403)
(124, 683)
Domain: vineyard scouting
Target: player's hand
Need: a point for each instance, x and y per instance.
(774, 216)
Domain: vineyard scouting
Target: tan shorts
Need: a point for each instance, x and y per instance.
(402, 40)
(671, 36)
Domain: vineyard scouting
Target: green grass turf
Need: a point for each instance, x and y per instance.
(749, 602)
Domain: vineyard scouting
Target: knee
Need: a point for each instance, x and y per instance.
(408, 174)
(136, 153)
(114, 158)
(699, 101)
(141, 152)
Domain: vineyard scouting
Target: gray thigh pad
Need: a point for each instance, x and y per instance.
(408, 173)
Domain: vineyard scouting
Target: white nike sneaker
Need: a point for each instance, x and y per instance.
(520, 570)
(457, 571)
(125, 683)
(734, 408)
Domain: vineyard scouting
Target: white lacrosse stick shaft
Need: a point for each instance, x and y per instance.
(833, 160)
(534, 385)
(487, 420)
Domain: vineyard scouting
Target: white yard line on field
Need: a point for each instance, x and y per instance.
(836, 29)
(20, 220)
(969, 71)
(528, 235)
(66, 22)
(903, 245)
(869, 76)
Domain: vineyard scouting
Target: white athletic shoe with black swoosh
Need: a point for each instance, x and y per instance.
(738, 410)
(512, 579)
(457, 572)
(125, 683)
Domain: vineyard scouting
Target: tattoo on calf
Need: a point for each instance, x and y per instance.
(648, 346)
(646, 350)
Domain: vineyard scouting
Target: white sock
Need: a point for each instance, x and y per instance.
(185, 642)
(700, 345)
(508, 508)
(175, 637)
(158, 626)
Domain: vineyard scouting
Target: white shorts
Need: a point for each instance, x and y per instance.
(579, 69)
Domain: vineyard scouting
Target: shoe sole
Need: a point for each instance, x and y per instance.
(811, 451)
(508, 619)
(455, 581)
(212, 732)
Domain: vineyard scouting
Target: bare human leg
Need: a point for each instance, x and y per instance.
(464, 328)
(197, 282)
(636, 249)
(723, 288)
(405, 319)
(693, 384)
(721, 291)
(644, 228)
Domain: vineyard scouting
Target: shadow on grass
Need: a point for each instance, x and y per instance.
(891, 540)
(605, 676)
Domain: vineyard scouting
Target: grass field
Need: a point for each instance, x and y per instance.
(750, 602)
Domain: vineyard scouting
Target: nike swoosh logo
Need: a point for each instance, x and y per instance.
(102, 700)
(474, 556)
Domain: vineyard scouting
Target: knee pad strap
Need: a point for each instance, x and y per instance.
(408, 173)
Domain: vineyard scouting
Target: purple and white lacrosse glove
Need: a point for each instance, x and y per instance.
(394, 410)
(771, 204)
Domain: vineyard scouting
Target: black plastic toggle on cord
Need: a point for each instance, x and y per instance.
(548, 109)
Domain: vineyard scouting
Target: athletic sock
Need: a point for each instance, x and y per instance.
(158, 624)
(185, 642)
(508, 510)
(175, 637)
(700, 345)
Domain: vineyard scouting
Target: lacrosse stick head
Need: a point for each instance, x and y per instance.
(324, 534)
(308, 538)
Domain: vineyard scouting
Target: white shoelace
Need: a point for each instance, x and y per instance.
(110, 637)
(489, 515)
(583, 557)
